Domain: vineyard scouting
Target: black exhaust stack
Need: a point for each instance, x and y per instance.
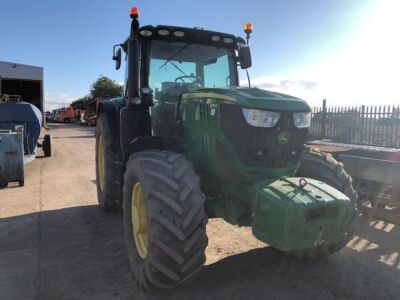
(135, 117)
(133, 60)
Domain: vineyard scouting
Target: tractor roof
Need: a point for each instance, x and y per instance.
(189, 35)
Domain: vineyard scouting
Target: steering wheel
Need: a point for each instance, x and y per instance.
(196, 78)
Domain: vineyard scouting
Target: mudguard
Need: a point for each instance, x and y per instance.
(111, 109)
(142, 143)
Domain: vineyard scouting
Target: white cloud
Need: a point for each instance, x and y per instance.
(56, 100)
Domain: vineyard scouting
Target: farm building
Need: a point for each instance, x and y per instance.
(23, 80)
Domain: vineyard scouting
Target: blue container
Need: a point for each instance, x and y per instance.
(22, 116)
(11, 158)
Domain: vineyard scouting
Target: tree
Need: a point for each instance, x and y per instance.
(81, 102)
(106, 88)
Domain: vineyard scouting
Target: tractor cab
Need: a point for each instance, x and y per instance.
(177, 60)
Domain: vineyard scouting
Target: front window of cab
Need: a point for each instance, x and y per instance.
(177, 67)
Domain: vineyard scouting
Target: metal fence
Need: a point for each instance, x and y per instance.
(377, 125)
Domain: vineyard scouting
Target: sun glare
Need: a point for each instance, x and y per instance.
(364, 71)
(367, 69)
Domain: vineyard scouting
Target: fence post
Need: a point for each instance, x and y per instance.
(323, 125)
(362, 129)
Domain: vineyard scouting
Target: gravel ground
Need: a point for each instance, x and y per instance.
(56, 244)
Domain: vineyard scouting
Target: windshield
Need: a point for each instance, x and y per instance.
(178, 67)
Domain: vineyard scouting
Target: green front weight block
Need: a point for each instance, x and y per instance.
(299, 213)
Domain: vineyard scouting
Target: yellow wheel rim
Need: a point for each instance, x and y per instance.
(100, 161)
(139, 219)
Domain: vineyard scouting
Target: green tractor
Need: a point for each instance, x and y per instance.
(185, 143)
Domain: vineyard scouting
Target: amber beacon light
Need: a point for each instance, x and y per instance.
(134, 12)
(248, 28)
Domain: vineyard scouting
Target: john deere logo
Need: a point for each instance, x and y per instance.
(283, 138)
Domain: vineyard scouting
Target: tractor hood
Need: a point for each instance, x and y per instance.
(251, 98)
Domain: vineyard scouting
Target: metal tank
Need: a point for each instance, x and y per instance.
(20, 125)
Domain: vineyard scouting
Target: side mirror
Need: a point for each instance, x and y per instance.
(245, 57)
(117, 58)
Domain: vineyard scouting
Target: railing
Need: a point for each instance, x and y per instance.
(377, 125)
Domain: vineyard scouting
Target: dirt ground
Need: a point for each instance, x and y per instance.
(56, 244)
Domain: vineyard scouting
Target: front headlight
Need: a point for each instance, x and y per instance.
(261, 118)
(302, 119)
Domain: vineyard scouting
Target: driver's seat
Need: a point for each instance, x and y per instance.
(168, 96)
(169, 88)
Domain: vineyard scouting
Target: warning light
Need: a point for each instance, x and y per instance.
(134, 12)
(248, 28)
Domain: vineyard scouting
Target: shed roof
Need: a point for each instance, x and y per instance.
(10, 70)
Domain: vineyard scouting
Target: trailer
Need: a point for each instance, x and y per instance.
(376, 176)
(67, 115)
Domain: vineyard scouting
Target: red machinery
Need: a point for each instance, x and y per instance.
(67, 115)
(90, 112)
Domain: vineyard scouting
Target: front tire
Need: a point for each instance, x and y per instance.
(323, 167)
(164, 219)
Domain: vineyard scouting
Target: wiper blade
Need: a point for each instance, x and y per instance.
(179, 69)
(175, 54)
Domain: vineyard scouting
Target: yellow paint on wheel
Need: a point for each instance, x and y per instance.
(139, 219)
(101, 161)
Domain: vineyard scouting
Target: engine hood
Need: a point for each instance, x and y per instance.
(252, 98)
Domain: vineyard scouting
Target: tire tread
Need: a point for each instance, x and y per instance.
(176, 215)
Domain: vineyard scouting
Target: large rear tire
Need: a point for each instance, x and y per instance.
(106, 168)
(164, 219)
(323, 167)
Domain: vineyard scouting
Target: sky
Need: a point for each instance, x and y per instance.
(341, 50)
